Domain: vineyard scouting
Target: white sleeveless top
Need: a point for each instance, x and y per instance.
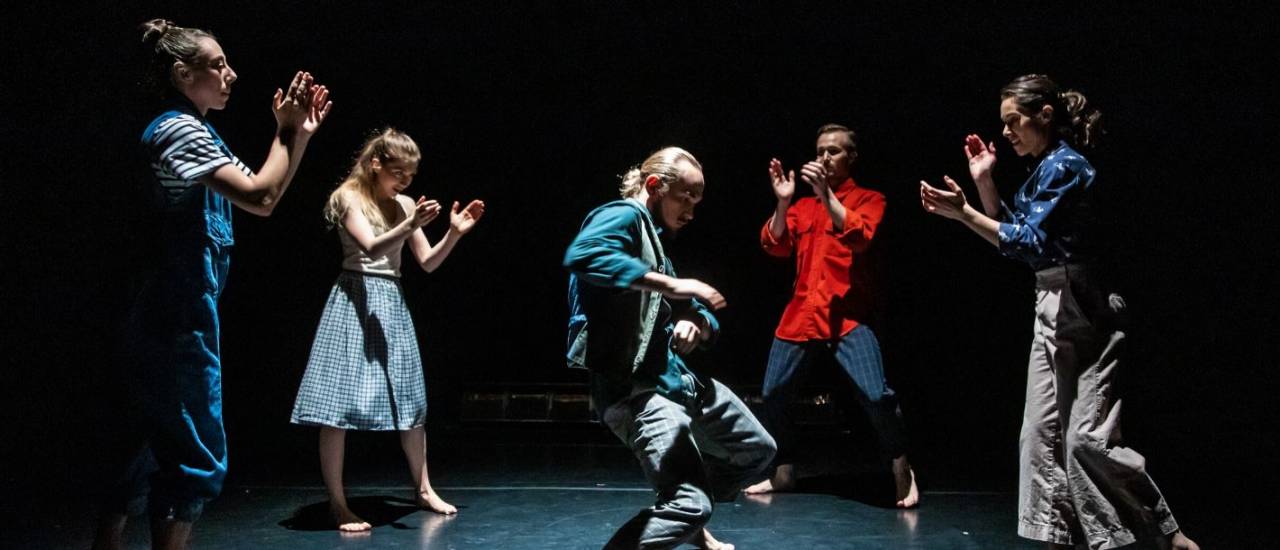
(354, 259)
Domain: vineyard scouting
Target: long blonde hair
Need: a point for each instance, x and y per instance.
(361, 185)
(662, 163)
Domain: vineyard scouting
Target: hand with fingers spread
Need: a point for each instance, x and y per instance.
(949, 204)
(814, 173)
(319, 110)
(293, 107)
(982, 157)
(685, 337)
(423, 212)
(461, 220)
(784, 187)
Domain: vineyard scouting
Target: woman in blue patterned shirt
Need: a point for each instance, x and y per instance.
(1078, 483)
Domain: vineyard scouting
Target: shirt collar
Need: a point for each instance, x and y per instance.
(847, 186)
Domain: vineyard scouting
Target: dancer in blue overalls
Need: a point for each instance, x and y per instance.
(171, 343)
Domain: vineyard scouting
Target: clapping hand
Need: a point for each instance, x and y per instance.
(982, 157)
(784, 187)
(423, 212)
(463, 219)
(949, 204)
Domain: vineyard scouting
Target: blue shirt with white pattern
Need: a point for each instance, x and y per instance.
(1053, 217)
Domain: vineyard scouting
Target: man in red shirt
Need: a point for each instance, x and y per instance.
(828, 234)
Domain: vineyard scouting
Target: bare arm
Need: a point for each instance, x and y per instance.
(952, 204)
(461, 221)
(299, 113)
(672, 287)
(417, 215)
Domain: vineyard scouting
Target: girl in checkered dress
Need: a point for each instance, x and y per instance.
(365, 372)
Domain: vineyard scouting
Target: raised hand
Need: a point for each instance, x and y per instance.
(949, 204)
(463, 219)
(292, 108)
(784, 187)
(319, 110)
(685, 337)
(423, 212)
(814, 173)
(982, 157)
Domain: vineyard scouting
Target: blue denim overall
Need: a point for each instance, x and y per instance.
(172, 346)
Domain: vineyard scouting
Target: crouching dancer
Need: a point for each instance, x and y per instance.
(631, 323)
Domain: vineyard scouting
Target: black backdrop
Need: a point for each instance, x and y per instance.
(537, 109)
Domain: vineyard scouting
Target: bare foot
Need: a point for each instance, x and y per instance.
(783, 480)
(905, 479)
(347, 521)
(431, 501)
(1180, 541)
(708, 542)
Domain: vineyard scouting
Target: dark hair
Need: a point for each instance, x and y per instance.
(164, 43)
(1074, 119)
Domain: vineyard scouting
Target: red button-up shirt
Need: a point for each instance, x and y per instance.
(829, 297)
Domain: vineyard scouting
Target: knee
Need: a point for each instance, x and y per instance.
(699, 507)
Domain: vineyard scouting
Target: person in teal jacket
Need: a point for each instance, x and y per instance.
(632, 321)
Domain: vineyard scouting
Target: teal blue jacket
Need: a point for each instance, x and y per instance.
(622, 335)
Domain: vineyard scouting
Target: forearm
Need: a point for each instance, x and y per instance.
(979, 223)
(987, 193)
(436, 255)
(271, 181)
(836, 210)
(389, 241)
(778, 223)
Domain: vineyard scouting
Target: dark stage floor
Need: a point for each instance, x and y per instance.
(539, 489)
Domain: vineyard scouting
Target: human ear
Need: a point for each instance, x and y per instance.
(652, 183)
(180, 72)
(1046, 114)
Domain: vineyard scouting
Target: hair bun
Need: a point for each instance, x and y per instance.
(155, 29)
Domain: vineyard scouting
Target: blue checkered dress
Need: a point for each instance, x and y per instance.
(365, 372)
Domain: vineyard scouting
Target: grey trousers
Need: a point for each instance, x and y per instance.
(1078, 483)
(693, 454)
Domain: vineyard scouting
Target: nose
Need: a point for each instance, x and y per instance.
(231, 75)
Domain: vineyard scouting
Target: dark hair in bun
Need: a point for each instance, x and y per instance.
(164, 43)
(1074, 119)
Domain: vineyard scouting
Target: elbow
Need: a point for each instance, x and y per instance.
(261, 210)
(261, 203)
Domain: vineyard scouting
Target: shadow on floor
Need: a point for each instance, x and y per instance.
(378, 510)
